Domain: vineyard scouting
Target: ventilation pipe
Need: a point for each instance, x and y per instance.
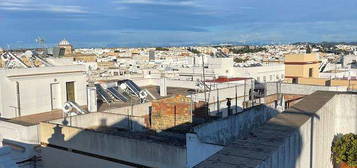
(91, 98)
(18, 99)
(163, 87)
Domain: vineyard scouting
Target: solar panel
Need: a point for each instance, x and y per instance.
(133, 86)
(117, 94)
(103, 95)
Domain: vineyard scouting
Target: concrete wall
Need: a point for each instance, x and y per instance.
(223, 93)
(20, 133)
(338, 115)
(198, 151)
(346, 113)
(68, 159)
(302, 70)
(297, 138)
(169, 83)
(352, 84)
(268, 72)
(95, 120)
(302, 57)
(139, 151)
(301, 89)
(135, 110)
(297, 65)
(223, 131)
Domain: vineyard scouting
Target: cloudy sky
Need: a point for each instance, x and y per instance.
(101, 23)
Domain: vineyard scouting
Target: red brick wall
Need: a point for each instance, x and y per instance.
(170, 112)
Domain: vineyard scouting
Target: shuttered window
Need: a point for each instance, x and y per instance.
(70, 91)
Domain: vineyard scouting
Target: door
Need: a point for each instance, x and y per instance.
(55, 97)
(70, 91)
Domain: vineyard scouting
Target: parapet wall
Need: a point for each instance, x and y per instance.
(328, 114)
(300, 89)
(98, 119)
(297, 138)
(115, 147)
(224, 131)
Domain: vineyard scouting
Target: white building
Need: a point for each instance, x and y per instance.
(36, 90)
(265, 73)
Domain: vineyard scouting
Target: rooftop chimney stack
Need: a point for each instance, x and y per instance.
(92, 98)
(163, 87)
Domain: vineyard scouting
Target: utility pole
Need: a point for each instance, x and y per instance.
(236, 98)
(245, 81)
(203, 77)
(204, 83)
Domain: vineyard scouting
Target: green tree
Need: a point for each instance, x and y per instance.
(344, 149)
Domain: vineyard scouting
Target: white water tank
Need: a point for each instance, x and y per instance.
(92, 98)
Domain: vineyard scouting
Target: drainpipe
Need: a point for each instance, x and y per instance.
(18, 98)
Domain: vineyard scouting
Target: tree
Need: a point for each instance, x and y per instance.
(344, 150)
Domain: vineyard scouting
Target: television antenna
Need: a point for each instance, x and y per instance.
(41, 42)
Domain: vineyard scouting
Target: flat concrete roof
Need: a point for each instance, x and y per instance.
(35, 119)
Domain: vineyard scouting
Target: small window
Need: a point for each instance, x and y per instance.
(295, 80)
(264, 78)
(310, 72)
(258, 79)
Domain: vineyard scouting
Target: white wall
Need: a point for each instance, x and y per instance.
(20, 133)
(271, 73)
(35, 88)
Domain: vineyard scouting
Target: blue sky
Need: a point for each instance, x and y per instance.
(102, 23)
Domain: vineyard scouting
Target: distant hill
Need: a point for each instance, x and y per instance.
(326, 43)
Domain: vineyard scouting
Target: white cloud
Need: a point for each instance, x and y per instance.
(30, 5)
(158, 2)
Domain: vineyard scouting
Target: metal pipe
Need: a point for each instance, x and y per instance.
(18, 98)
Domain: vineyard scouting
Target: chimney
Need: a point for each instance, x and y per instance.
(91, 98)
(163, 87)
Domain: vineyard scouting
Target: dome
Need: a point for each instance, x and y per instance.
(64, 43)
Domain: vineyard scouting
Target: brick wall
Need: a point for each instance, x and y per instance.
(170, 112)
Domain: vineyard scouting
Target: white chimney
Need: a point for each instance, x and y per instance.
(92, 98)
(163, 87)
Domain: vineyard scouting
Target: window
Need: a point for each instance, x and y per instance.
(271, 77)
(61, 52)
(70, 91)
(310, 72)
(282, 76)
(264, 78)
(258, 79)
(295, 80)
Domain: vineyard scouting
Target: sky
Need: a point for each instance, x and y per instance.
(136, 23)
